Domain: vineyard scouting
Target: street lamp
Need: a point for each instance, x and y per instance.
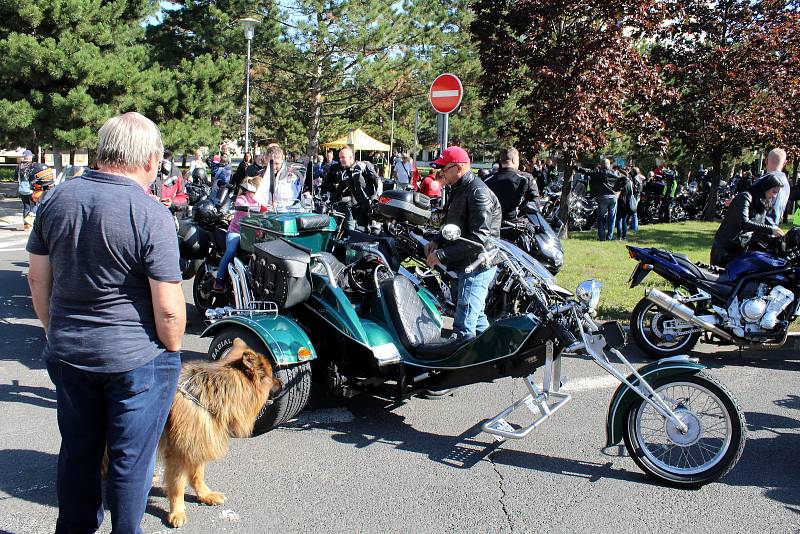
(249, 25)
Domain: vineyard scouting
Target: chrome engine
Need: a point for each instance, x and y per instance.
(760, 312)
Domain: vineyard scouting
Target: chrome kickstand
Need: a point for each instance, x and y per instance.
(542, 402)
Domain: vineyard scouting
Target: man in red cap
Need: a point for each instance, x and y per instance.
(476, 210)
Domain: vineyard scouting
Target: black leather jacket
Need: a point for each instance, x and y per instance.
(476, 210)
(740, 218)
(512, 188)
(358, 183)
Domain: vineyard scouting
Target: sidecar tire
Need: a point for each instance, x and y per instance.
(641, 338)
(644, 456)
(296, 380)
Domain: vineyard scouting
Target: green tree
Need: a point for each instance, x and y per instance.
(201, 43)
(69, 65)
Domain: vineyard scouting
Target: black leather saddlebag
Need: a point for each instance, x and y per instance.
(279, 272)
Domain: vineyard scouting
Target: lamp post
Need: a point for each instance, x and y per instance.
(249, 25)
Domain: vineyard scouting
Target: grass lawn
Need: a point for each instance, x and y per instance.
(608, 261)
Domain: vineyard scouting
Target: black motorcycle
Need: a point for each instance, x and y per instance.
(533, 234)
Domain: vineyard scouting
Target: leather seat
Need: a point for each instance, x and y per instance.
(683, 260)
(415, 324)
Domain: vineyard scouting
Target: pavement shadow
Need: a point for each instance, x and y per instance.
(41, 396)
(375, 422)
(29, 475)
(15, 301)
(22, 343)
(786, 358)
(778, 477)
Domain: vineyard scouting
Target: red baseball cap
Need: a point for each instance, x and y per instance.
(452, 154)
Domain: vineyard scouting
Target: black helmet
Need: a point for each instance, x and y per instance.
(199, 175)
(166, 167)
(204, 212)
(792, 240)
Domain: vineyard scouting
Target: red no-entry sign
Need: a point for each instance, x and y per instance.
(446, 93)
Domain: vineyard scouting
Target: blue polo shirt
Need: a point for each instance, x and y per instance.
(105, 238)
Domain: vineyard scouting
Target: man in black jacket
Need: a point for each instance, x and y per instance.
(355, 183)
(475, 209)
(511, 186)
(605, 185)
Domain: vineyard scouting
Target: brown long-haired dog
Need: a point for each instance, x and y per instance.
(214, 402)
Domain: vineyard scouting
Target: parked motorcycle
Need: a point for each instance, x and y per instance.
(532, 233)
(680, 425)
(751, 302)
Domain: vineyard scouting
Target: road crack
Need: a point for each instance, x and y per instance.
(500, 478)
(501, 484)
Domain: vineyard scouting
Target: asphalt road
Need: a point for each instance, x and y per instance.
(368, 465)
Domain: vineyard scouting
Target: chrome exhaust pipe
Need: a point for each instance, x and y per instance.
(670, 305)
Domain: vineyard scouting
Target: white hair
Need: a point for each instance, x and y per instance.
(128, 142)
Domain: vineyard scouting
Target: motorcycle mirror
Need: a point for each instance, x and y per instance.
(451, 232)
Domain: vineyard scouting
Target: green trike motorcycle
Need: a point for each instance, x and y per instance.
(362, 327)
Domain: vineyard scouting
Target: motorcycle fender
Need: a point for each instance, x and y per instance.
(286, 341)
(624, 396)
(638, 275)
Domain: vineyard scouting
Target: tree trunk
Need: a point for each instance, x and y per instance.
(57, 165)
(716, 176)
(72, 157)
(566, 189)
(315, 118)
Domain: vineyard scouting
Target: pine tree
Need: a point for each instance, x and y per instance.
(68, 66)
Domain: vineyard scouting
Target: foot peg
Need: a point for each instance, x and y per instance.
(541, 404)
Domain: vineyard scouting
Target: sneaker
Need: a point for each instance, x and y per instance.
(218, 287)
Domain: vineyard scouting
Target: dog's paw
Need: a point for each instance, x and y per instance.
(176, 519)
(214, 498)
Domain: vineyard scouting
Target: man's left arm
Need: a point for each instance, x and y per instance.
(40, 280)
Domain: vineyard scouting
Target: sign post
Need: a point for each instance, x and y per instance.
(445, 96)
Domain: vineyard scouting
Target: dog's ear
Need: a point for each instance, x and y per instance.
(237, 348)
(256, 365)
(276, 388)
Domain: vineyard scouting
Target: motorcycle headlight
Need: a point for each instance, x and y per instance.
(589, 292)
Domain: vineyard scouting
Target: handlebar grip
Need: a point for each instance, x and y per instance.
(475, 264)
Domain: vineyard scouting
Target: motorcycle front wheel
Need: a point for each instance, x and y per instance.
(706, 451)
(648, 323)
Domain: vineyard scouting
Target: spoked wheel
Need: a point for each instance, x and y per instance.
(660, 334)
(295, 380)
(706, 451)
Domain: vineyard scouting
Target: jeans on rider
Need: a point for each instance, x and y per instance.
(634, 222)
(470, 318)
(606, 217)
(622, 225)
(356, 217)
(231, 246)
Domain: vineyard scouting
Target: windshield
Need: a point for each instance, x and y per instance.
(525, 260)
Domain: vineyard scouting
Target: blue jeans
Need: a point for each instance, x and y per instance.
(606, 216)
(622, 225)
(123, 412)
(231, 246)
(634, 220)
(470, 316)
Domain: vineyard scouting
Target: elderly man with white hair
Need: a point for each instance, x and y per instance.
(106, 286)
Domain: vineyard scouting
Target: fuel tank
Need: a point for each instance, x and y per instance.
(753, 262)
